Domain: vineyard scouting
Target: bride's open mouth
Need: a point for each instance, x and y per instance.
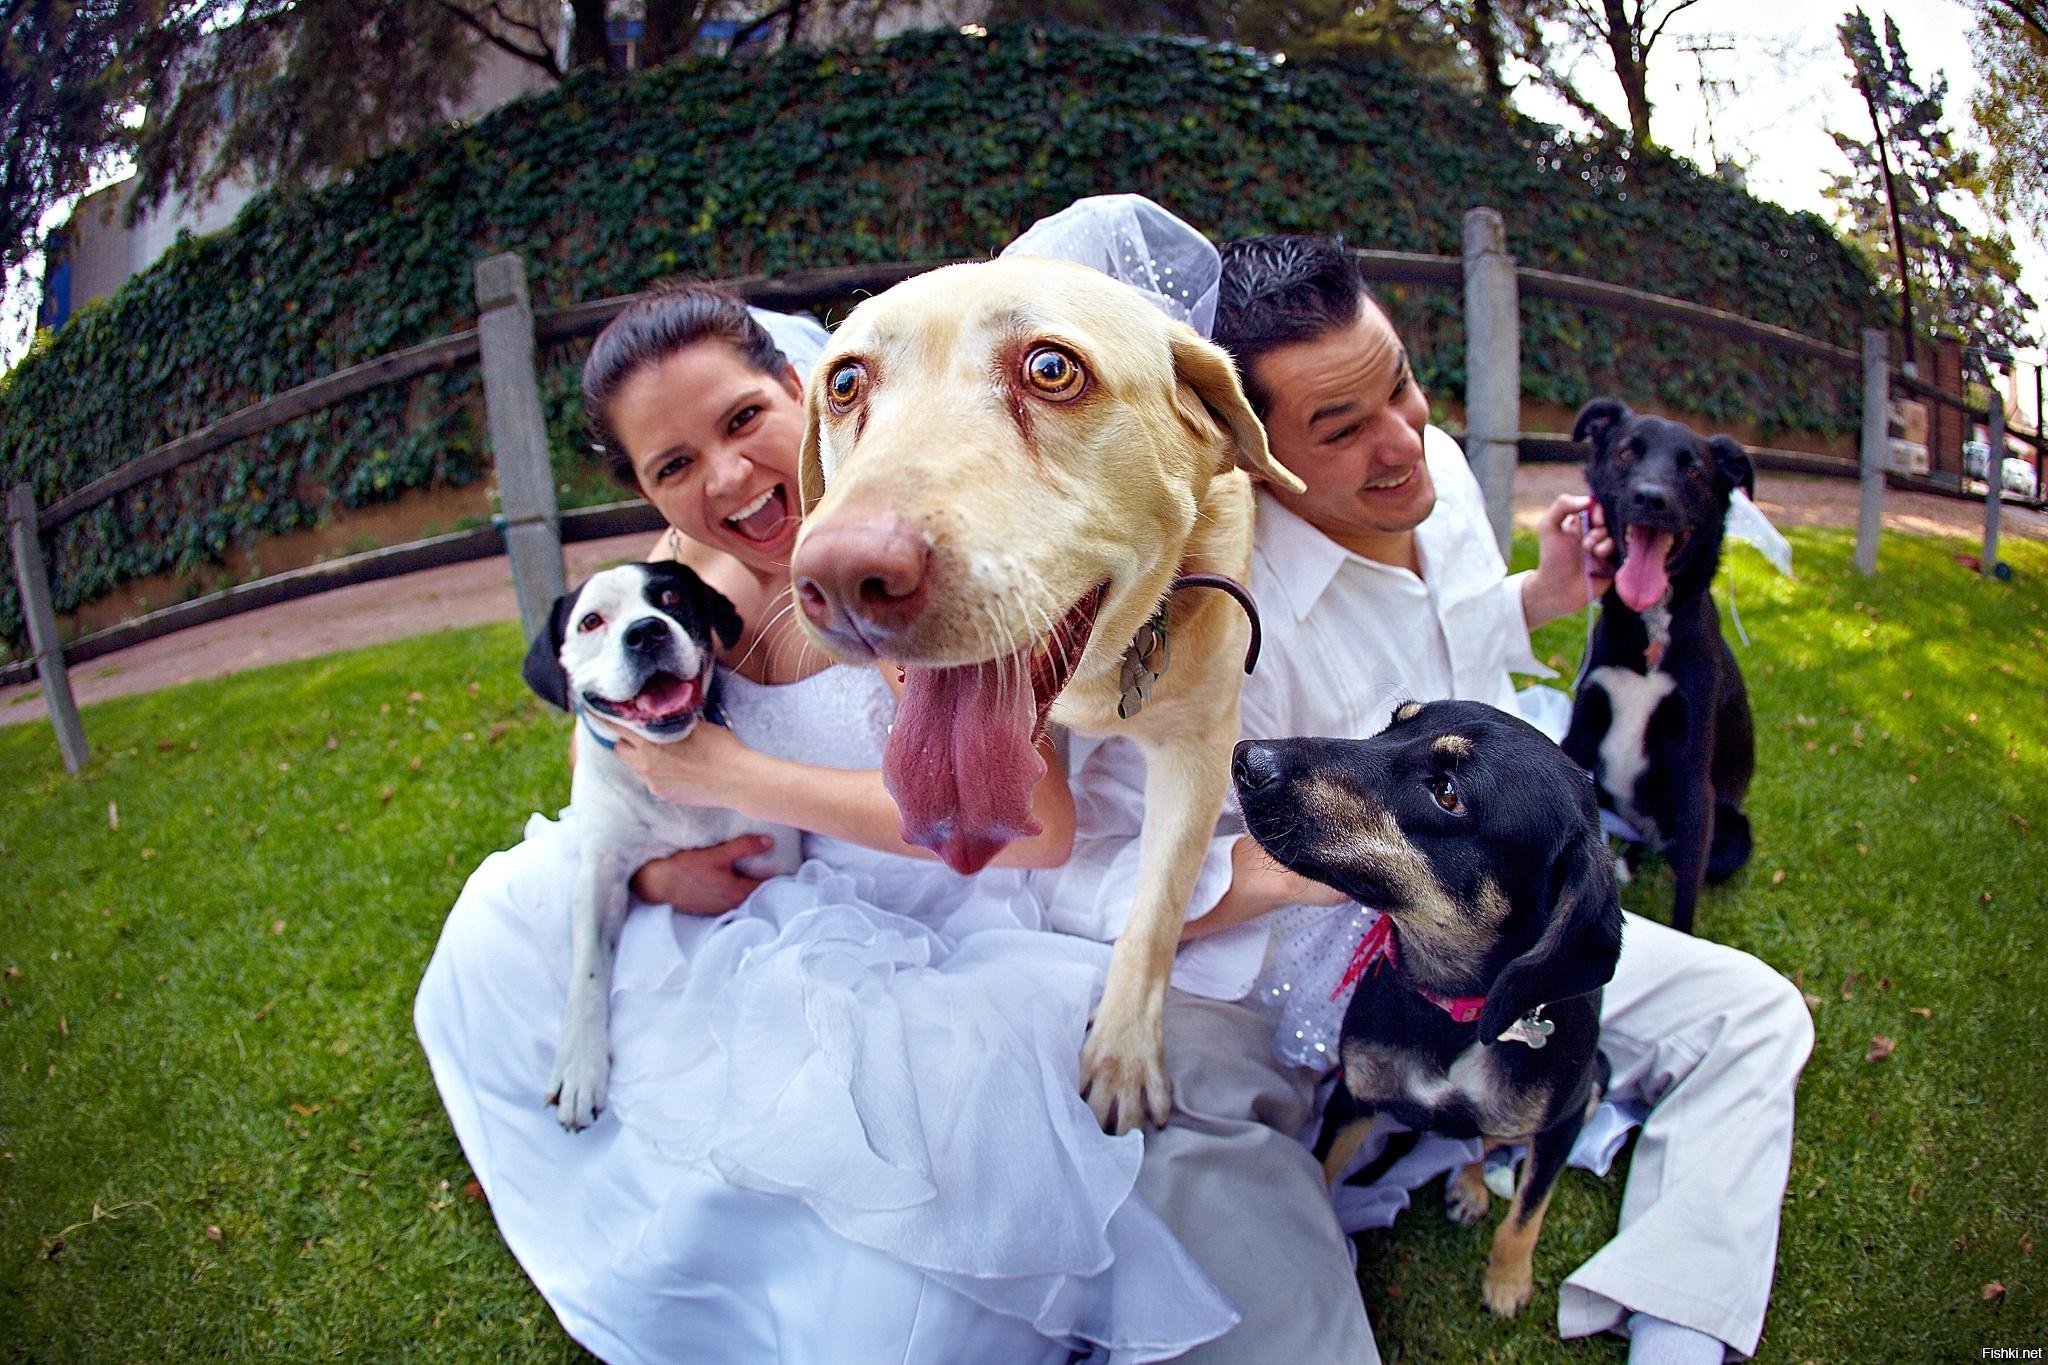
(962, 758)
(664, 701)
(765, 518)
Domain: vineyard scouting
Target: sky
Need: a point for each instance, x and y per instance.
(1790, 90)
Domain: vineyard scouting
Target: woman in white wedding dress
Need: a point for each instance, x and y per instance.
(844, 1121)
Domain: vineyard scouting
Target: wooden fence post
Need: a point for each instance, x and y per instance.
(1493, 367)
(34, 583)
(519, 437)
(1994, 480)
(1876, 448)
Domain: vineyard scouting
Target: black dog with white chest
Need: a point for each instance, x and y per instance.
(1477, 1008)
(1662, 718)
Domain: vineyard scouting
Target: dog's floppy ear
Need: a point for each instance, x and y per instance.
(1731, 463)
(1206, 368)
(1579, 945)
(543, 669)
(1598, 420)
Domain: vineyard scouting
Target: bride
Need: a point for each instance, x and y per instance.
(845, 1121)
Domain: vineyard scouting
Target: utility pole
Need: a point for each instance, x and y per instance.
(1699, 48)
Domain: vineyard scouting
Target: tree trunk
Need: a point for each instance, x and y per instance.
(1486, 45)
(588, 45)
(1891, 194)
(1631, 68)
(671, 29)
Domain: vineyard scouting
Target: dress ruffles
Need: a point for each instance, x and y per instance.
(844, 1119)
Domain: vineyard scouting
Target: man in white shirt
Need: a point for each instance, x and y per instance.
(1382, 583)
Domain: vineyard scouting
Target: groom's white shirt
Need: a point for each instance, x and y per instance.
(1346, 639)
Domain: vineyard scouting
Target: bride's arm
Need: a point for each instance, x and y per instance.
(713, 767)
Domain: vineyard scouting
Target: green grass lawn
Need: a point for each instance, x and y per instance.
(218, 1136)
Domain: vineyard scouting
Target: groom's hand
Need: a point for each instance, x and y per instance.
(1258, 886)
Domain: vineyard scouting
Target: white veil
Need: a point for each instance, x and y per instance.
(1129, 238)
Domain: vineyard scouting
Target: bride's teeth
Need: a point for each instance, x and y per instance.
(756, 505)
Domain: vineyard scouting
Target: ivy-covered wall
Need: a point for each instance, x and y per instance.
(933, 145)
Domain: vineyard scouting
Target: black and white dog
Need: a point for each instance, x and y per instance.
(629, 651)
(1662, 718)
(1477, 1009)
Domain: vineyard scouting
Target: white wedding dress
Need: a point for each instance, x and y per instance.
(844, 1122)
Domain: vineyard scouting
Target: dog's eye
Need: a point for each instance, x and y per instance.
(1053, 373)
(669, 597)
(846, 385)
(591, 621)
(1445, 793)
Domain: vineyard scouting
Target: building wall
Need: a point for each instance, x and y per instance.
(103, 253)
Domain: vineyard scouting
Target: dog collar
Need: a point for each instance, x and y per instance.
(1378, 945)
(583, 717)
(1139, 673)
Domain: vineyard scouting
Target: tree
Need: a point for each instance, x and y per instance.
(1900, 200)
(2011, 107)
(70, 73)
(1628, 30)
(293, 90)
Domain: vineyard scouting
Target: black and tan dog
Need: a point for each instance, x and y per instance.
(1662, 719)
(1477, 1010)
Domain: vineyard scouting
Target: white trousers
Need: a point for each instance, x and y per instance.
(1707, 1038)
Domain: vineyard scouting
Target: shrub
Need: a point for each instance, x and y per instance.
(933, 145)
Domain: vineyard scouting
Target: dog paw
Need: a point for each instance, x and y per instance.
(1508, 1288)
(1465, 1197)
(577, 1090)
(1125, 1086)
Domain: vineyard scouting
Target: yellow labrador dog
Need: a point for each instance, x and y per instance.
(1005, 466)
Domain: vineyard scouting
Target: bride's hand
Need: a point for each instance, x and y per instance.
(701, 769)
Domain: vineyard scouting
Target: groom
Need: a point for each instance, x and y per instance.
(1381, 582)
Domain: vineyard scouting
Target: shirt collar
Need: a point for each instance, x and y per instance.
(1304, 562)
(1301, 560)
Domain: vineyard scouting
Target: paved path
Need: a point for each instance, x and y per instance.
(481, 591)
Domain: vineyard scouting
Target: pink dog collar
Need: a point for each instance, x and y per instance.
(1378, 945)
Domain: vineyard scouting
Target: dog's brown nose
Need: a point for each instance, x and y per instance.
(861, 580)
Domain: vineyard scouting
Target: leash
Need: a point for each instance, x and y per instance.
(1592, 603)
(1735, 611)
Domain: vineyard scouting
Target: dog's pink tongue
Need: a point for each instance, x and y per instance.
(1644, 576)
(961, 763)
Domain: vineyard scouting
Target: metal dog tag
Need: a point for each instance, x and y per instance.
(1532, 1028)
(1134, 684)
(1138, 674)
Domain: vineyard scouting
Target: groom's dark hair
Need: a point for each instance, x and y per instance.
(1276, 291)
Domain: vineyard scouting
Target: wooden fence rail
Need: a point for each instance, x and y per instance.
(533, 531)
